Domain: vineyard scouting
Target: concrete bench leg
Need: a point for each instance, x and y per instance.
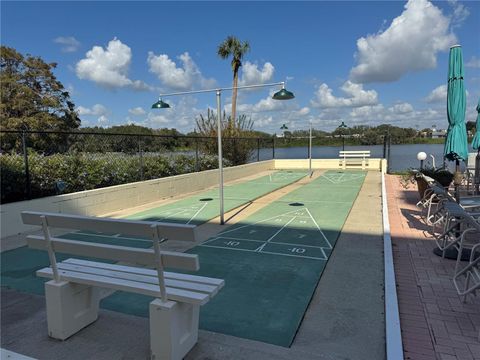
(173, 329)
(70, 307)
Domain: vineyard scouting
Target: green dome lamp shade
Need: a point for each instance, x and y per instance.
(283, 94)
(160, 105)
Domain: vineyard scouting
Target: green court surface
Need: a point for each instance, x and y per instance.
(205, 206)
(271, 261)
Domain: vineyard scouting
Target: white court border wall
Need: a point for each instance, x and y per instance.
(374, 164)
(393, 335)
(98, 202)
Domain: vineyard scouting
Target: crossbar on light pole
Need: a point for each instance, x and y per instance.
(280, 95)
(220, 89)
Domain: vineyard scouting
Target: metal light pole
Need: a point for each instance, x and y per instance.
(310, 150)
(220, 154)
(283, 94)
(343, 126)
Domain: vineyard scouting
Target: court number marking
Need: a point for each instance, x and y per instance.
(232, 243)
(297, 250)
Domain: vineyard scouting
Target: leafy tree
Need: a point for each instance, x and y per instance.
(471, 126)
(32, 98)
(233, 47)
(237, 151)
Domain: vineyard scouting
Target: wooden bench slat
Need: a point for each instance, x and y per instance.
(189, 286)
(150, 272)
(126, 285)
(171, 231)
(144, 257)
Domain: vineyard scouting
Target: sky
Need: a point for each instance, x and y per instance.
(361, 62)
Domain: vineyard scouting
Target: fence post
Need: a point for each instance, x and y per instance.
(234, 143)
(273, 147)
(27, 170)
(389, 144)
(196, 155)
(258, 149)
(140, 152)
(384, 146)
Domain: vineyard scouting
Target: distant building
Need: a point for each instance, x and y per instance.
(441, 133)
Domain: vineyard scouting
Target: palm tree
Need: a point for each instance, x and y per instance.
(232, 46)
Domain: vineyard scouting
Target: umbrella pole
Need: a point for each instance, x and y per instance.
(457, 180)
(476, 178)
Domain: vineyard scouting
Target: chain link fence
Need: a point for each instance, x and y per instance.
(36, 164)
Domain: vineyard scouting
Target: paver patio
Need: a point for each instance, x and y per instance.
(435, 323)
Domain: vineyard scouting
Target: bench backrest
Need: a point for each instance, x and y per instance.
(355, 153)
(141, 229)
(155, 231)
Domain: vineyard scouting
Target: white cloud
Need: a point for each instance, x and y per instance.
(439, 94)
(252, 75)
(95, 110)
(356, 96)
(460, 13)
(186, 77)
(109, 67)
(401, 108)
(138, 111)
(410, 43)
(181, 115)
(304, 111)
(263, 105)
(262, 122)
(102, 120)
(474, 62)
(69, 43)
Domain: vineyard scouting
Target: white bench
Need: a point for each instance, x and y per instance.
(72, 297)
(357, 158)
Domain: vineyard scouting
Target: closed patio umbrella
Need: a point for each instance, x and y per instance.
(476, 146)
(476, 138)
(456, 142)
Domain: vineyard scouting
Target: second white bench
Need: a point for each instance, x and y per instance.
(354, 158)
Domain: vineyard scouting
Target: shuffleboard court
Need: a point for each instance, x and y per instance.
(203, 207)
(271, 262)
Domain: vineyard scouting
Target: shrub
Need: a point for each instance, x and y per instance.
(85, 171)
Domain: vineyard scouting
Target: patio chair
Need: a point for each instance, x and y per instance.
(467, 278)
(450, 223)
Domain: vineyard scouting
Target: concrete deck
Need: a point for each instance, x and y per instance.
(345, 318)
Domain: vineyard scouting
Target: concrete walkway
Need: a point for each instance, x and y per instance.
(435, 323)
(344, 319)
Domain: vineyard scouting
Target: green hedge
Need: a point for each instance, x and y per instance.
(85, 171)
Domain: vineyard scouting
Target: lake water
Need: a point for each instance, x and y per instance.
(402, 157)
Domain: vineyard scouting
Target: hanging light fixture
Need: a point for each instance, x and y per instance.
(283, 94)
(160, 105)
